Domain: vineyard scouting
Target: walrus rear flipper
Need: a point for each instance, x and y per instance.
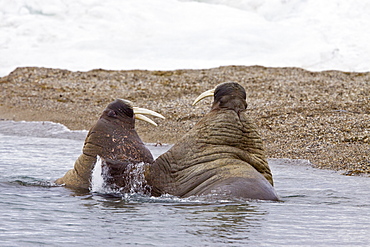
(80, 175)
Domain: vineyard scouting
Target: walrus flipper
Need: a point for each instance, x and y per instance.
(80, 175)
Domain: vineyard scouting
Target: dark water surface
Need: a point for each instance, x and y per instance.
(318, 208)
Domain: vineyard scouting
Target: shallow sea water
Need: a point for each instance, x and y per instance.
(317, 208)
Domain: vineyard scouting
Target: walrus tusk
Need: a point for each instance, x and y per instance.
(145, 118)
(203, 95)
(138, 110)
(139, 114)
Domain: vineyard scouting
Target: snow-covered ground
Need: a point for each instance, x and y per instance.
(175, 34)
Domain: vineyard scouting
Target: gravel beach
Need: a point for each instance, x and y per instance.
(320, 116)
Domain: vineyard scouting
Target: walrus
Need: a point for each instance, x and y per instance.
(222, 155)
(114, 139)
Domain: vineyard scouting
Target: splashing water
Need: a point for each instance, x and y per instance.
(97, 181)
(135, 182)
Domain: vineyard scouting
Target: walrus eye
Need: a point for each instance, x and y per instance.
(112, 113)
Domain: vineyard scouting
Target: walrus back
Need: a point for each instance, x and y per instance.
(223, 146)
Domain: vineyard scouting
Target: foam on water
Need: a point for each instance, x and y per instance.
(134, 176)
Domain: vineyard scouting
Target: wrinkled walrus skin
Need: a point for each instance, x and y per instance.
(222, 155)
(115, 140)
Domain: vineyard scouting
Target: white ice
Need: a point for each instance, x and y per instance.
(177, 34)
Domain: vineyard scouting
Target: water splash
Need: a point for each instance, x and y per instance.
(97, 181)
(133, 177)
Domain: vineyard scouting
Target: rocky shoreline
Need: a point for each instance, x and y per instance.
(320, 116)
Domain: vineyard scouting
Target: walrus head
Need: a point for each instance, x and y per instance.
(119, 144)
(229, 95)
(123, 111)
(114, 135)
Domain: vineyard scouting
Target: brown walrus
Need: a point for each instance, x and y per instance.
(222, 155)
(114, 139)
